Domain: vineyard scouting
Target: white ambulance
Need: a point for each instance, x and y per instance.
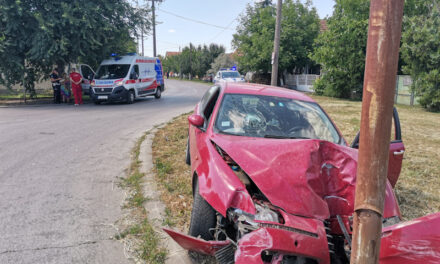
(125, 78)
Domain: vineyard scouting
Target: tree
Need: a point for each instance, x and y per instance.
(254, 37)
(194, 61)
(222, 61)
(341, 50)
(421, 53)
(35, 35)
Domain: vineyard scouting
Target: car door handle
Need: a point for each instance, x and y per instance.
(398, 153)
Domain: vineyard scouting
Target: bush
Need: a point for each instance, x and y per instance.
(427, 87)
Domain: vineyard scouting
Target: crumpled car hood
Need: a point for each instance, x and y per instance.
(296, 175)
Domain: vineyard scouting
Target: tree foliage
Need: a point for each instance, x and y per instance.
(341, 50)
(35, 35)
(194, 61)
(255, 33)
(421, 53)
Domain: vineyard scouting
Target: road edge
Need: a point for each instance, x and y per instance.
(154, 205)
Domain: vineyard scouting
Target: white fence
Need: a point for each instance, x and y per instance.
(301, 82)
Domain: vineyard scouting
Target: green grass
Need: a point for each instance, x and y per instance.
(149, 250)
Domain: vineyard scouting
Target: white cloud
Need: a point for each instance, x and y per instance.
(171, 31)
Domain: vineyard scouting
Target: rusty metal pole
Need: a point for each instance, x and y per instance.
(384, 34)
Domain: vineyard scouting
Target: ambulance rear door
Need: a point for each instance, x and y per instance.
(87, 74)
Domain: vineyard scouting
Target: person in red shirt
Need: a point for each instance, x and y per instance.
(75, 82)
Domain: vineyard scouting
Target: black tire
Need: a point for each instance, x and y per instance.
(203, 217)
(187, 153)
(130, 97)
(158, 93)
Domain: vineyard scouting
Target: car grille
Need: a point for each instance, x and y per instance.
(102, 90)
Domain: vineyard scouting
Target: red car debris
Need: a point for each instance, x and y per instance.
(274, 182)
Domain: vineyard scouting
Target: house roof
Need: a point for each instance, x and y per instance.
(172, 53)
(323, 25)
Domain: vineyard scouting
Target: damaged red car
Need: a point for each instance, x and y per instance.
(274, 182)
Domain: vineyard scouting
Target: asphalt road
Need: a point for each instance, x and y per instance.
(58, 169)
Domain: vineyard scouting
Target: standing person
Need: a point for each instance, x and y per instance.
(56, 86)
(168, 75)
(75, 83)
(65, 89)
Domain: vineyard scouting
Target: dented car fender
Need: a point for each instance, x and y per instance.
(217, 183)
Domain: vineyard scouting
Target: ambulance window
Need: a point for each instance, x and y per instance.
(136, 69)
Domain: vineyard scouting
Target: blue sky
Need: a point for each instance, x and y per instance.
(173, 31)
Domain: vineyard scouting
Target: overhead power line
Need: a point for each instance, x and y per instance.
(193, 20)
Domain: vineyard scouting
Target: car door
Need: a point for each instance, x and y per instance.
(87, 73)
(396, 152)
(197, 135)
(136, 77)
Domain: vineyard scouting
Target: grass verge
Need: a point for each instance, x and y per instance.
(417, 190)
(140, 230)
(172, 173)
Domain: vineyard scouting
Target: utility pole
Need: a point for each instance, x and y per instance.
(276, 45)
(154, 29)
(384, 34)
(142, 40)
(153, 9)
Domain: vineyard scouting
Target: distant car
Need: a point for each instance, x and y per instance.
(228, 76)
(274, 182)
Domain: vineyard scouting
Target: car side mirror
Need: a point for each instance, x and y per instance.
(196, 120)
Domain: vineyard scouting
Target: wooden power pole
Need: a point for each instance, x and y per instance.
(154, 28)
(383, 43)
(276, 45)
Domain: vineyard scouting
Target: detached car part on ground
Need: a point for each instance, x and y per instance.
(274, 182)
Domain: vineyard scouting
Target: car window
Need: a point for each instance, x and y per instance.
(269, 116)
(230, 75)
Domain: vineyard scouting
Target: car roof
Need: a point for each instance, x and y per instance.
(261, 89)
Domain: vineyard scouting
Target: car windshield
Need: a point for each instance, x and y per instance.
(273, 117)
(230, 75)
(113, 71)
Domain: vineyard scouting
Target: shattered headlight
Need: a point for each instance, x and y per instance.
(264, 213)
(246, 222)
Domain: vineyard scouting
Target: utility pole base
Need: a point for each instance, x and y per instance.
(366, 244)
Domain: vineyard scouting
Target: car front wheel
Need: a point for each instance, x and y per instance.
(158, 93)
(130, 97)
(203, 217)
